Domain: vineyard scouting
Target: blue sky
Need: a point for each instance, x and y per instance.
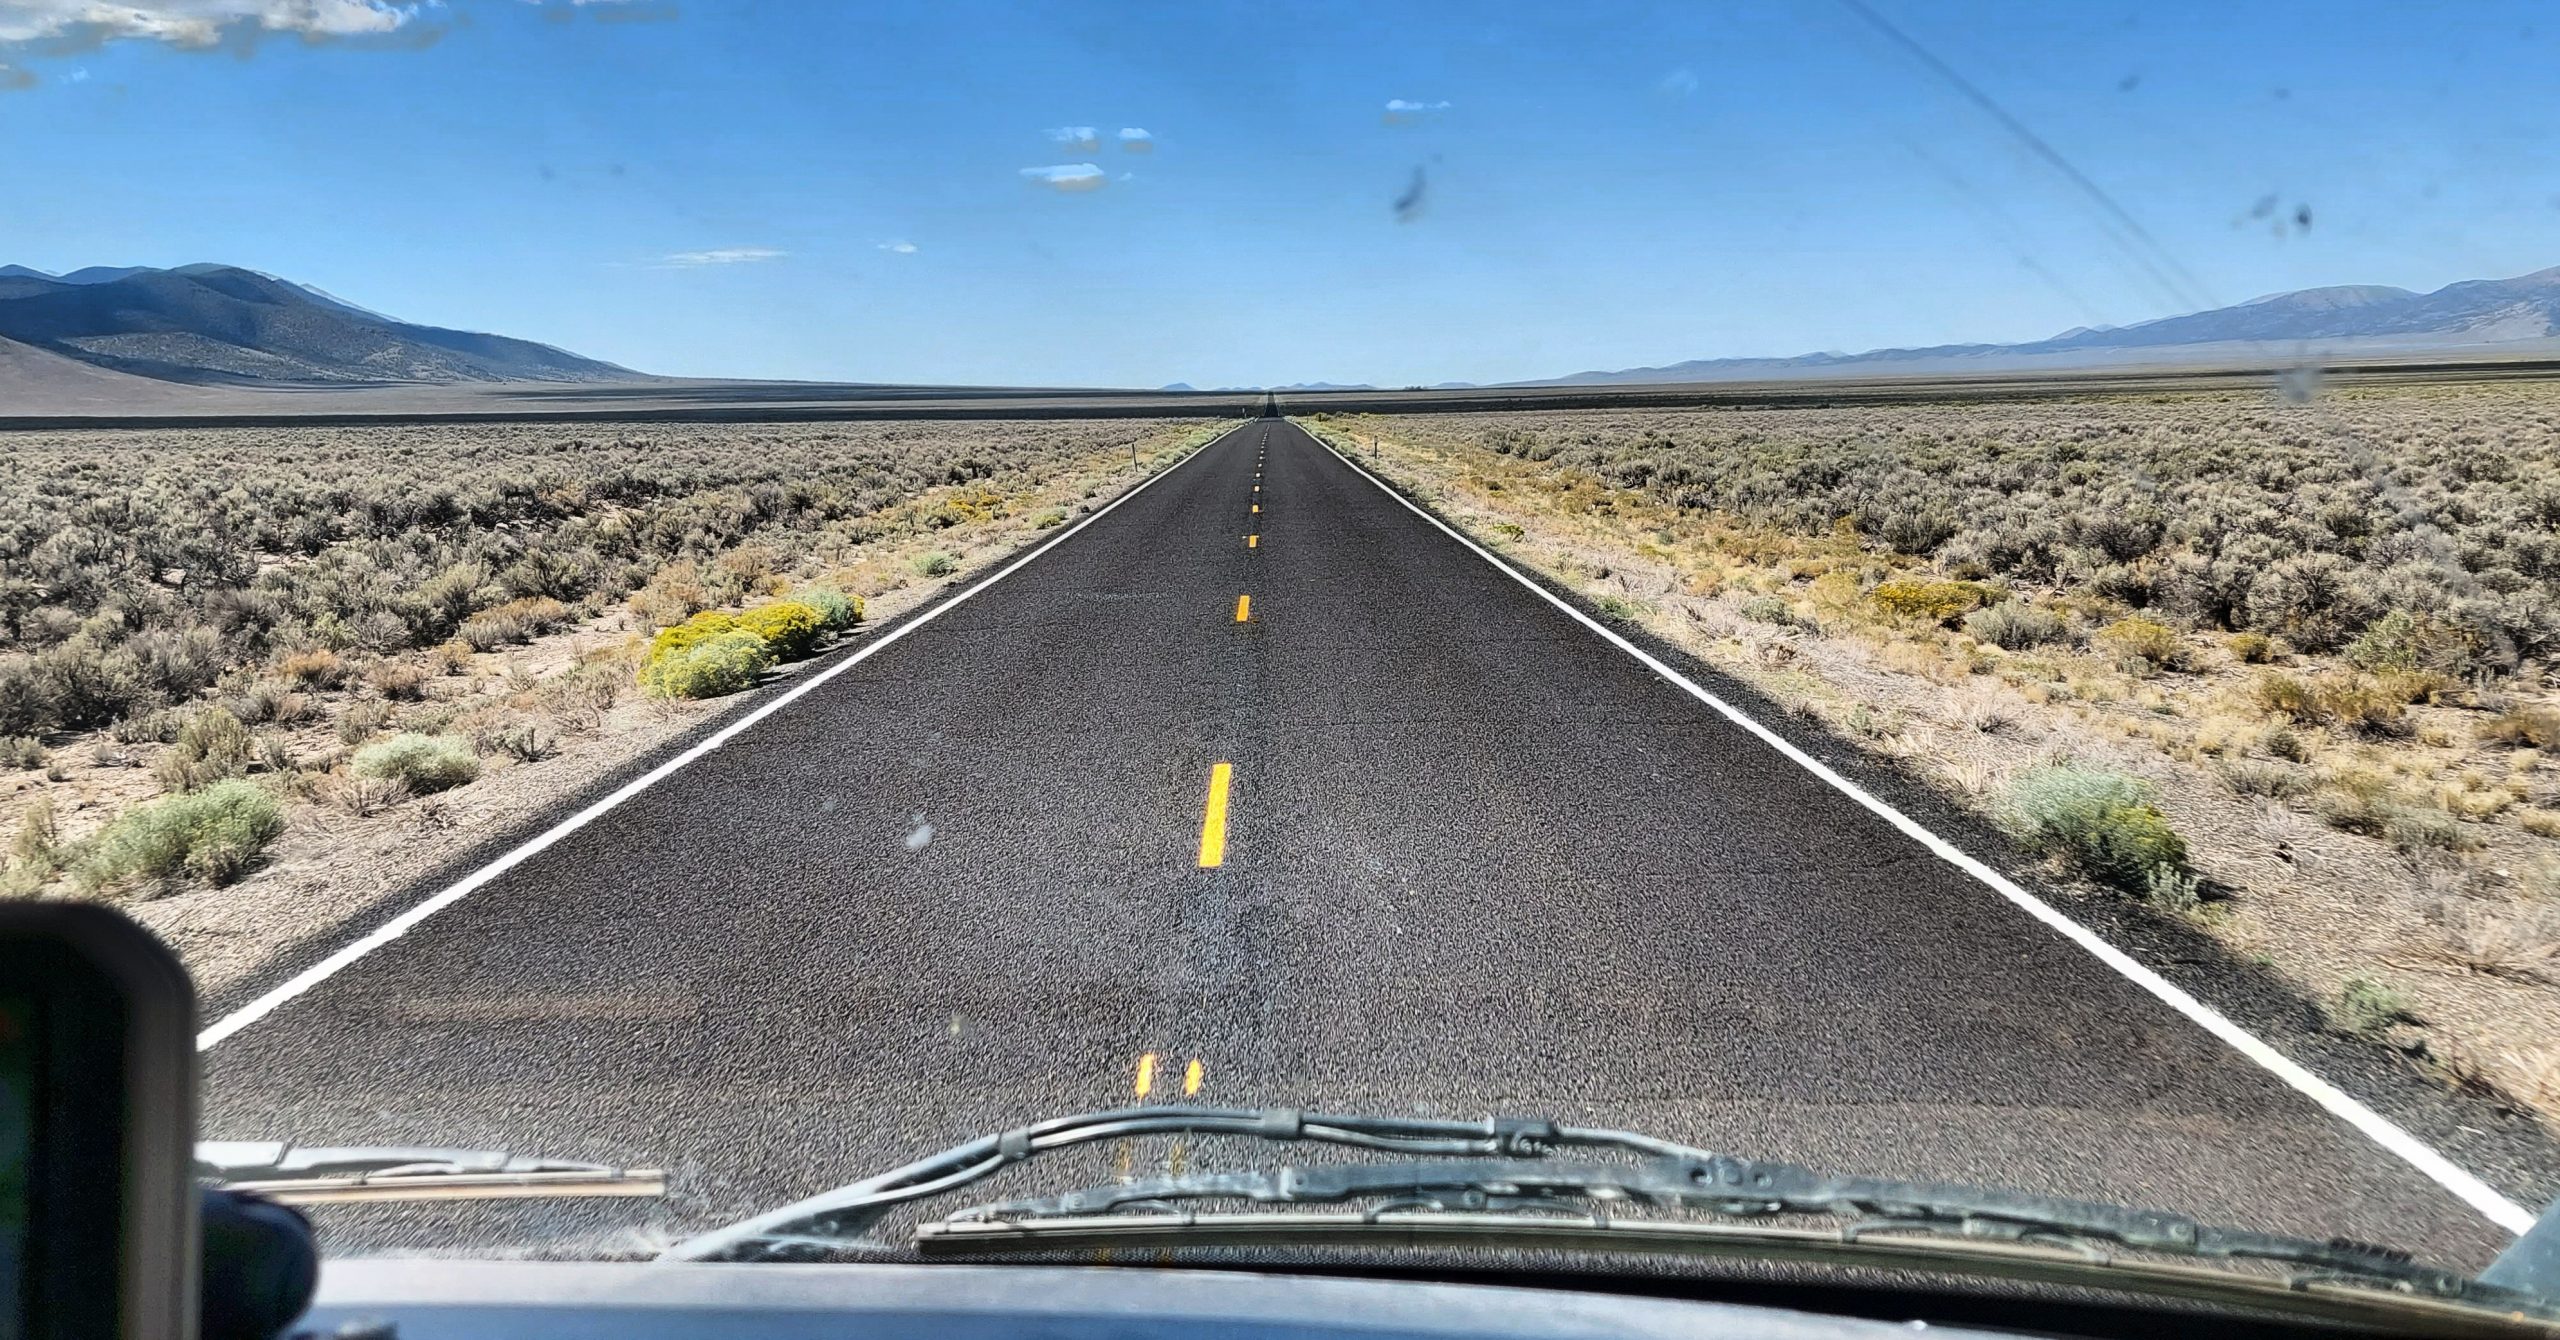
(1606, 186)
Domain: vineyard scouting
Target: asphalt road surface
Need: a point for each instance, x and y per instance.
(1476, 861)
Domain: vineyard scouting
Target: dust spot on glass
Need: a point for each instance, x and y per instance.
(1408, 206)
(2129, 83)
(919, 835)
(955, 1025)
(828, 805)
(2269, 210)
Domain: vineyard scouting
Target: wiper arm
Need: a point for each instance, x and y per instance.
(316, 1175)
(833, 1218)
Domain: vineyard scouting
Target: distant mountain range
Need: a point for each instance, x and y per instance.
(110, 338)
(2473, 317)
(223, 325)
(1293, 386)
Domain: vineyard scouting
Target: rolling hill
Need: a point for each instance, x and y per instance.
(223, 325)
(2474, 317)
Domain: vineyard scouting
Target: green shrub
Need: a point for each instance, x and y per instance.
(2410, 643)
(937, 565)
(836, 610)
(2143, 639)
(2358, 802)
(789, 627)
(2172, 890)
(23, 751)
(260, 701)
(38, 844)
(2253, 648)
(706, 667)
(1767, 609)
(1054, 516)
(2317, 600)
(211, 745)
(2366, 1007)
(361, 720)
(699, 629)
(1940, 602)
(2102, 822)
(213, 835)
(2014, 625)
(422, 763)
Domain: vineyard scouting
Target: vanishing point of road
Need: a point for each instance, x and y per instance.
(1261, 789)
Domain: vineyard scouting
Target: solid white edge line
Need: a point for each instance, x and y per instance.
(2410, 1149)
(453, 893)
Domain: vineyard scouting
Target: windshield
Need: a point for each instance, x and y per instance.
(1949, 592)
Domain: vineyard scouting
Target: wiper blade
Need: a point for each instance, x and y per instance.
(1743, 1188)
(1503, 1164)
(317, 1175)
(2067, 1264)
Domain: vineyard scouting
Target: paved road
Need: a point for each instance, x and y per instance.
(1477, 861)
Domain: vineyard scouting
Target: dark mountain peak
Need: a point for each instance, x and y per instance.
(22, 272)
(209, 322)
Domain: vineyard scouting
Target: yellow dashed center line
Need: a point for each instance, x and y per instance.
(1253, 542)
(1213, 840)
(1244, 608)
(1146, 1074)
(1191, 1078)
(1257, 509)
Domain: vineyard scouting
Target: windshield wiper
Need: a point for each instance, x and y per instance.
(1504, 1165)
(321, 1175)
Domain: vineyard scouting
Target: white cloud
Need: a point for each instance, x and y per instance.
(1679, 83)
(1405, 111)
(1136, 141)
(901, 247)
(1076, 139)
(721, 256)
(1070, 177)
(200, 23)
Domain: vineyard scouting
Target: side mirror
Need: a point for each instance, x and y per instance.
(97, 1127)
